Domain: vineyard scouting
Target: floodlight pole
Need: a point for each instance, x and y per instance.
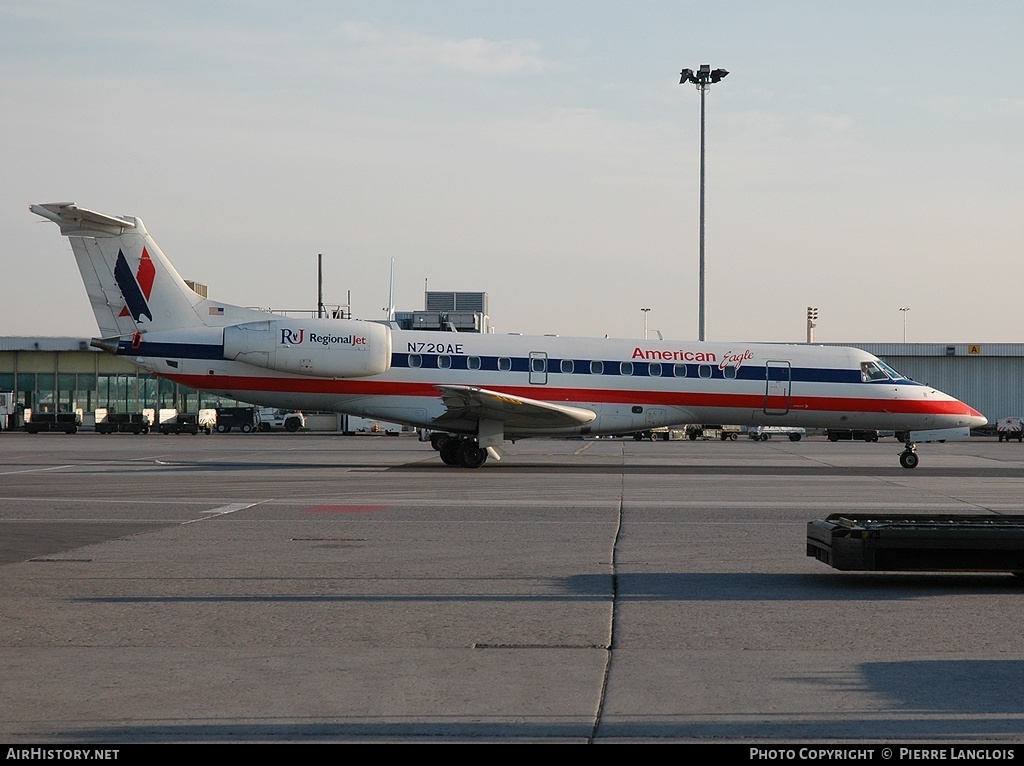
(319, 285)
(703, 79)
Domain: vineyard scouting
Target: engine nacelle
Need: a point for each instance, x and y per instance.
(331, 348)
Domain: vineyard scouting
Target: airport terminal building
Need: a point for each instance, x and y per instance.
(65, 374)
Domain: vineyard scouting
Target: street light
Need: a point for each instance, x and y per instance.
(646, 312)
(904, 310)
(703, 78)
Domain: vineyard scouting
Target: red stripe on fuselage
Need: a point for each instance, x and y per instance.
(583, 395)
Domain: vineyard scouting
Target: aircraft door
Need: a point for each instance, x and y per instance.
(655, 417)
(538, 368)
(778, 387)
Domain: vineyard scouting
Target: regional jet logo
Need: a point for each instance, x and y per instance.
(296, 337)
(135, 289)
(290, 337)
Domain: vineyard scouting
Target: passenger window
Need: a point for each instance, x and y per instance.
(704, 370)
(415, 360)
(597, 368)
(538, 365)
(679, 370)
(729, 372)
(566, 366)
(626, 368)
(654, 370)
(473, 363)
(504, 364)
(444, 362)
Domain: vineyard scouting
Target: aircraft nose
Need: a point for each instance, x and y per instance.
(977, 420)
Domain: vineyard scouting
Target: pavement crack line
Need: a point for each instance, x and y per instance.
(614, 607)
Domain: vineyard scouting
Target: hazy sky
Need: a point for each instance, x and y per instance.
(860, 157)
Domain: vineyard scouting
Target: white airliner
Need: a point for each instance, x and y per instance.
(479, 389)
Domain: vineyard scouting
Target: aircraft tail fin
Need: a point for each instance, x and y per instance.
(131, 284)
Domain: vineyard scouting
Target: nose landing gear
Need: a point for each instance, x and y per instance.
(909, 458)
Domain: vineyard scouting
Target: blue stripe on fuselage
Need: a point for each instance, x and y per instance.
(522, 365)
(639, 369)
(171, 350)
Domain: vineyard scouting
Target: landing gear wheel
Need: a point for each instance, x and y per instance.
(437, 440)
(909, 459)
(449, 450)
(471, 454)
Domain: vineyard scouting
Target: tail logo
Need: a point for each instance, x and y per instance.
(135, 289)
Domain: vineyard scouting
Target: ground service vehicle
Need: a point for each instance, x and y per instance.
(245, 419)
(8, 411)
(482, 389)
(289, 420)
(1010, 428)
(764, 433)
(839, 434)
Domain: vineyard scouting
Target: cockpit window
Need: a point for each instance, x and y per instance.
(889, 370)
(877, 370)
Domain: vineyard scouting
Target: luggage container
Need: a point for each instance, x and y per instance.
(918, 542)
(122, 422)
(38, 422)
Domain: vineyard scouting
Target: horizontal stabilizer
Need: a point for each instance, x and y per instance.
(75, 221)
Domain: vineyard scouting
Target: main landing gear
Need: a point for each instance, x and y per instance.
(457, 450)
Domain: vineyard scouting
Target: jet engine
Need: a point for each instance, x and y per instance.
(331, 348)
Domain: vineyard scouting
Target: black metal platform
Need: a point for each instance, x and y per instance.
(918, 542)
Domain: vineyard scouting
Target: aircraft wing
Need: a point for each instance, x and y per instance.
(471, 403)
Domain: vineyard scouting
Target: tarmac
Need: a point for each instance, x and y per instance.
(319, 588)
